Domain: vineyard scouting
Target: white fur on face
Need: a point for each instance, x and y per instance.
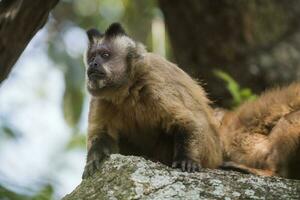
(124, 42)
(98, 42)
(96, 84)
(101, 83)
(107, 70)
(85, 62)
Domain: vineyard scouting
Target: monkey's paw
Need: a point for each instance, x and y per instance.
(187, 165)
(91, 167)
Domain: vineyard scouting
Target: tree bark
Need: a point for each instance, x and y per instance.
(19, 22)
(256, 42)
(129, 177)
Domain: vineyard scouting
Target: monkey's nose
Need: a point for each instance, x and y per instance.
(94, 64)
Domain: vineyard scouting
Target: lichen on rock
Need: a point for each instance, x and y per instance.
(130, 177)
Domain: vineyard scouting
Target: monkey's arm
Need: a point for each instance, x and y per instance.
(181, 156)
(196, 142)
(100, 147)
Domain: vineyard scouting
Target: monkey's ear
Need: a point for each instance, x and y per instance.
(115, 29)
(93, 34)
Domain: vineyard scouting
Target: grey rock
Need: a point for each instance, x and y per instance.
(130, 177)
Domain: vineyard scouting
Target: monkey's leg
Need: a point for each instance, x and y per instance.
(180, 157)
(100, 148)
(284, 141)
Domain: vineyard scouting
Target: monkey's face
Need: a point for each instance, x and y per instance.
(106, 59)
(106, 64)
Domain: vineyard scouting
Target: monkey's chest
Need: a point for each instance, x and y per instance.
(138, 124)
(140, 133)
(145, 139)
(151, 144)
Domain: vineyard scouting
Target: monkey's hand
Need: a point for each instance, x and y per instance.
(181, 158)
(186, 165)
(101, 148)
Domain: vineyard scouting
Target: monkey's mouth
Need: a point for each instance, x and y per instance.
(95, 75)
(96, 84)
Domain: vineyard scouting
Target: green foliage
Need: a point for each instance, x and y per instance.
(46, 193)
(77, 141)
(10, 195)
(74, 81)
(72, 104)
(8, 132)
(239, 95)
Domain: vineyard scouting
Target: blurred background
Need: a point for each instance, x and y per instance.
(236, 49)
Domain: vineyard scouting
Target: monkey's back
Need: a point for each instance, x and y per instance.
(265, 132)
(262, 114)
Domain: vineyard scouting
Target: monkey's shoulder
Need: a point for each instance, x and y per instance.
(162, 73)
(154, 63)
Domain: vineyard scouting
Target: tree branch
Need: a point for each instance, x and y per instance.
(19, 22)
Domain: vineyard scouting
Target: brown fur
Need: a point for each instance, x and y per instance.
(158, 95)
(146, 106)
(263, 136)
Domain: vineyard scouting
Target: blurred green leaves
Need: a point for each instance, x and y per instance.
(72, 104)
(46, 193)
(86, 9)
(10, 195)
(73, 69)
(111, 10)
(74, 91)
(77, 141)
(7, 130)
(239, 95)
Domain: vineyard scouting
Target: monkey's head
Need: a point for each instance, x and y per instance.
(108, 59)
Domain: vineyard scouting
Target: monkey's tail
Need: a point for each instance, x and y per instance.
(232, 166)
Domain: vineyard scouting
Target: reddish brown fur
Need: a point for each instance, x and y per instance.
(157, 96)
(263, 136)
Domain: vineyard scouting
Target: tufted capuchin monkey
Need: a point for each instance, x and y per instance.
(263, 136)
(144, 105)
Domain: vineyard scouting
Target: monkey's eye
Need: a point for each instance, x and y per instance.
(92, 58)
(105, 55)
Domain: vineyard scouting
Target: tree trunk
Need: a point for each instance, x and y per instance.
(19, 21)
(256, 42)
(129, 177)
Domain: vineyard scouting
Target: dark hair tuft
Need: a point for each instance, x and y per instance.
(93, 33)
(115, 29)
